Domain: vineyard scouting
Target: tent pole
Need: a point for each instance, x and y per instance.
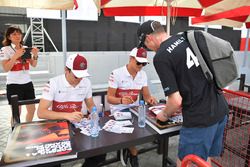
(246, 49)
(64, 37)
(206, 28)
(168, 16)
(141, 19)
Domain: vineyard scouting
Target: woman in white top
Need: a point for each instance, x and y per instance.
(16, 60)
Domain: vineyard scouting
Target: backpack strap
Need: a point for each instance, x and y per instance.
(208, 74)
(205, 69)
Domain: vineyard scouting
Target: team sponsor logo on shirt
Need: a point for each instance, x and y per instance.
(111, 77)
(62, 91)
(128, 92)
(166, 89)
(66, 106)
(124, 81)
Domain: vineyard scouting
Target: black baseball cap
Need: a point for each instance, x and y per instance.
(145, 29)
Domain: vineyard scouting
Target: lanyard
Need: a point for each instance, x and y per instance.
(13, 48)
(23, 60)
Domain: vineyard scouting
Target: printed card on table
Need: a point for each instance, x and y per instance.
(122, 115)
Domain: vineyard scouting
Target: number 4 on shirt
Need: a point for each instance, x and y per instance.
(191, 59)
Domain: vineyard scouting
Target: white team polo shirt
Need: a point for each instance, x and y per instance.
(19, 74)
(64, 97)
(121, 80)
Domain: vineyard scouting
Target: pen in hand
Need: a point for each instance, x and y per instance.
(128, 100)
(78, 115)
(131, 99)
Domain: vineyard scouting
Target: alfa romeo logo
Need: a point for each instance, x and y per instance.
(144, 54)
(82, 65)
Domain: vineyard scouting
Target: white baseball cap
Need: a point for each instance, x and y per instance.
(78, 65)
(140, 55)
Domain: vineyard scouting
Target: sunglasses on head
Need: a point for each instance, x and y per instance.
(139, 63)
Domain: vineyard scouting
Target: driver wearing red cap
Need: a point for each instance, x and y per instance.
(125, 85)
(63, 96)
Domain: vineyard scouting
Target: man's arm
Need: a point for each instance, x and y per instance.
(89, 103)
(147, 97)
(173, 105)
(112, 99)
(44, 113)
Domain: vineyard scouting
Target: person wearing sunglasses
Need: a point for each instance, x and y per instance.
(204, 108)
(63, 96)
(125, 85)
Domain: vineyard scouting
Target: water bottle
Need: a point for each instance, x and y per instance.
(94, 122)
(101, 112)
(141, 114)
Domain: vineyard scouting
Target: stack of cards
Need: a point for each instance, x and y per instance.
(84, 125)
(85, 130)
(83, 122)
(118, 126)
(122, 115)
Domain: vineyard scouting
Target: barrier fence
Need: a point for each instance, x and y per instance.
(236, 151)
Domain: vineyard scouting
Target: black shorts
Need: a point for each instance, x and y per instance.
(24, 91)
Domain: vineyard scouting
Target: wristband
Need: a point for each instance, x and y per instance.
(121, 100)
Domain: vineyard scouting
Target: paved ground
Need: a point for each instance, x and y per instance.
(149, 159)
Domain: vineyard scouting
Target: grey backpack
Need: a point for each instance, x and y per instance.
(216, 57)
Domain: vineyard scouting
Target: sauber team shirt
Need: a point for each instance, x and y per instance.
(19, 74)
(64, 97)
(121, 80)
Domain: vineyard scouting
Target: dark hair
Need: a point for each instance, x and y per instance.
(157, 27)
(9, 31)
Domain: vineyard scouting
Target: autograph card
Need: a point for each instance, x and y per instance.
(122, 115)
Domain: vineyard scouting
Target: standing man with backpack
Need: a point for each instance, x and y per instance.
(203, 107)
